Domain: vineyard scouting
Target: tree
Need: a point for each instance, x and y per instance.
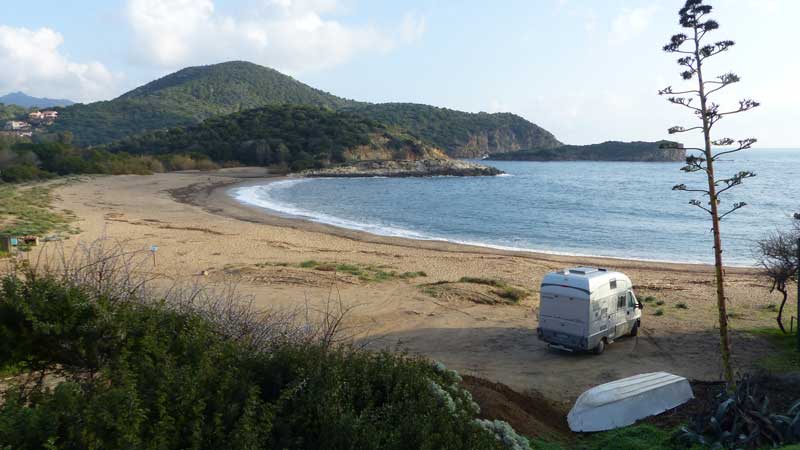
(777, 255)
(694, 16)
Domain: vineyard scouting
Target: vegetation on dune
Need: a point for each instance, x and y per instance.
(503, 289)
(187, 97)
(127, 371)
(460, 133)
(301, 137)
(27, 211)
(485, 290)
(23, 161)
(363, 272)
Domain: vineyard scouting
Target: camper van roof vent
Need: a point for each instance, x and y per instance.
(583, 270)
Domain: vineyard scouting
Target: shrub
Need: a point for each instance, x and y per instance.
(742, 419)
(682, 305)
(658, 312)
(141, 373)
(649, 299)
(407, 275)
(511, 293)
(659, 302)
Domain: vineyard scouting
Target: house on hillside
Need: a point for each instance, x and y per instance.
(36, 116)
(50, 115)
(16, 125)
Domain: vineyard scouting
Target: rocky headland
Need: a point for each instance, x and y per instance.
(404, 168)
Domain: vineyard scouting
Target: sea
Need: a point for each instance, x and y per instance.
(585, 208)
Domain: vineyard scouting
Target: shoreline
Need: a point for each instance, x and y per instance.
(217, 199)
(411, 295)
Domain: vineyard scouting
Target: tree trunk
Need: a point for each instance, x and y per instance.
(724, 338)
(780, 310)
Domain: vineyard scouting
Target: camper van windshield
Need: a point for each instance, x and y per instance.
(631, 300)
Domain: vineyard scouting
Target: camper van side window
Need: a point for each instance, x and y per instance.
(621, 302)
(613, 284)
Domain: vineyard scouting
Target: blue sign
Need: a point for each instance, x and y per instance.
(14, 241)
(153, 248)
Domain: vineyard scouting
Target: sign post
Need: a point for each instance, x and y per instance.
(153, 250)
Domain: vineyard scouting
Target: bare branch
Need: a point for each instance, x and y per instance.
(744, 105)
(733, 181)
(683, 101)
(736, 206)
(679, 129)
(744, 144)
(699, 205)
(682, 187)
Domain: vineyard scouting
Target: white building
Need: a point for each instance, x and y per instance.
(15, 125)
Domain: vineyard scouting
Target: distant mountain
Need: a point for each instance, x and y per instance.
(193, 94)
(187, 97)
(660, 151)
(462, 134)
(26, 101)
(299, 137)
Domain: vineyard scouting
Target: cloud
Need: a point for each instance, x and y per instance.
(412, 27)
(290, 35)
(32, 62)
(630, 23)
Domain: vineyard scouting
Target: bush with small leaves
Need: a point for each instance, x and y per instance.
(140, 374)
(505, 434)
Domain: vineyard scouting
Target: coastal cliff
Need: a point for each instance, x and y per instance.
(460, 134)
(405, 168)
(660, 151)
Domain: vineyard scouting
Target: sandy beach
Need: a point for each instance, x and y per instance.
(203, 233)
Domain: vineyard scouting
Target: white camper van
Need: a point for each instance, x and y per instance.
(585, 308)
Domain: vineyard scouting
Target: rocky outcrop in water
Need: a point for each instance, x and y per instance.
(419, 168)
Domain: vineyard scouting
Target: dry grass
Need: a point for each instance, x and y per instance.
(107, 269)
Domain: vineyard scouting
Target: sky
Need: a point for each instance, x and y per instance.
(586, 70)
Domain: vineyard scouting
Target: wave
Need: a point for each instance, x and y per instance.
(260, 196)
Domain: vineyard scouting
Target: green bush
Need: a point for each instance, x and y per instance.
(658, 312)
(682, 305)
(142, 375)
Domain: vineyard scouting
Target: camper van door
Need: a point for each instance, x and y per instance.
(620, 314)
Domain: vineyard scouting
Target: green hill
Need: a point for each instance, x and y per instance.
(606, 151)
(187, 97)
(461, 134)
(301, 137)
(191, 95)
(10, 112)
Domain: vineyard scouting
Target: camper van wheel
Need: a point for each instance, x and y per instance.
(600, 347)
(635, 329)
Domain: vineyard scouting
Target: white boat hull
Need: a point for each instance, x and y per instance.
(621, 403)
